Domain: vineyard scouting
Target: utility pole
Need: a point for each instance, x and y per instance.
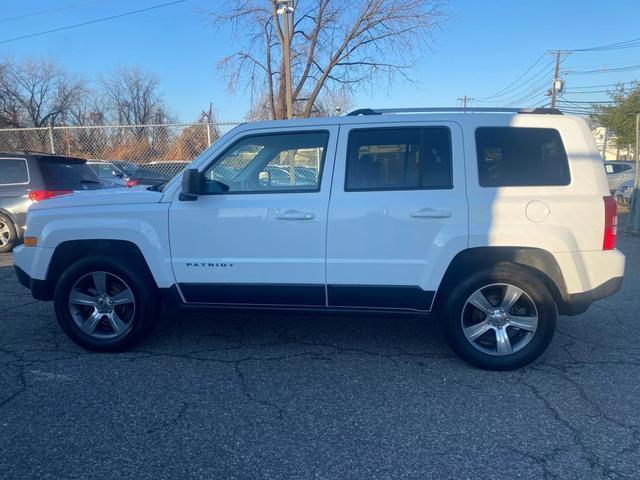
(635, 206)
(464, 100)
(286, 7)
(556, 74)
(557, 83)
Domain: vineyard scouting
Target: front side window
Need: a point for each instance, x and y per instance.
(289, 162)
(399, 159)
(13, 172)
(511, 156)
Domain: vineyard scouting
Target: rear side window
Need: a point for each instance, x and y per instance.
(72, 175)
(399, 159)
(517, 157)
(13, 172)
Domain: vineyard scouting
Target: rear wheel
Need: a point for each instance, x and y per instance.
(104, 304)
(8, 234)
(501, 318)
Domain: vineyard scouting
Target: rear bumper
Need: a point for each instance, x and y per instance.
(589, 276)
(577, 303)
(39, 288)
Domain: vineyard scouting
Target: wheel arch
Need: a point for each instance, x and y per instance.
(71, 250)
(537, 261)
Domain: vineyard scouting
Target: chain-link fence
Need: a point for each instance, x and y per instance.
(164, 148)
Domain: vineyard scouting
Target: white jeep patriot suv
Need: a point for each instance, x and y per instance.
(497, 221)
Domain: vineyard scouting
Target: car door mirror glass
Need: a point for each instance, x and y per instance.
(192, 182)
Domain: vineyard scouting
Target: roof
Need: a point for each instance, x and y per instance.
(48, 156)
(453, 114)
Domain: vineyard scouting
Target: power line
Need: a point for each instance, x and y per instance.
(601, 70)
(525, 87)
(612, 46)
(501, 92)
(603, 85)
(90, 22)
(49, 10)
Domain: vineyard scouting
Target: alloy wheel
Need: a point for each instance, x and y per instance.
(499, 319)
(102, 305)
(5, 233)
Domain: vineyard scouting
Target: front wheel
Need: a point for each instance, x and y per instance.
(500, 318)
(105, 304)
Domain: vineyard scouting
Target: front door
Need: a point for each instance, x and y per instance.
(263, 242)
(398, 214)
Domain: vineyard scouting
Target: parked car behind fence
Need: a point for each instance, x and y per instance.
(155, 173)
(26, 178)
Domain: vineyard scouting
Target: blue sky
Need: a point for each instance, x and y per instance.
(485, 46)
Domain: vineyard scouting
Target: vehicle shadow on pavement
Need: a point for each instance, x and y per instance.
(337, 333)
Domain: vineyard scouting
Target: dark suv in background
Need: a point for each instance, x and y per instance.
(26, 178)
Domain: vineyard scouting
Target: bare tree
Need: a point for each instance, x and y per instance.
(133, 97)
(334, 46)
(36, 93)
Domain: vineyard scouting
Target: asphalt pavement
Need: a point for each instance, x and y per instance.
(266, 396)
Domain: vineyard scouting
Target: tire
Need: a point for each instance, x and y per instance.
(8, 234)
(529, 323)
(111, 314)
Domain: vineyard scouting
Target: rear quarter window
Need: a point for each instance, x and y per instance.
(13, 171)
(518, 157)
(72, 175)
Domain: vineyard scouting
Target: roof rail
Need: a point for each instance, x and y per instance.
(381, 111)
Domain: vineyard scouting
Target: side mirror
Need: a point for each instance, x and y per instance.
(215, 187)
(193, 183)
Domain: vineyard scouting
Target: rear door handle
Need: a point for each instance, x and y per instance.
(295, 215)
(430, 213)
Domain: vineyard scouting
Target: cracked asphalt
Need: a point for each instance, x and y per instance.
(251, 396)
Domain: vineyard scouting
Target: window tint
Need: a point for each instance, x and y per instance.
(509, 156)
(13, 172)
(69, 175)
(272, 163)
(399, 159)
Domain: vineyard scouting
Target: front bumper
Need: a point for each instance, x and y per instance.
(39, 288)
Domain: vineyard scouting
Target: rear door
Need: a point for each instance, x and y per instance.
(397, 216)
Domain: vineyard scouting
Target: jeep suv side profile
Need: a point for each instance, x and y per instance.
(496, 221)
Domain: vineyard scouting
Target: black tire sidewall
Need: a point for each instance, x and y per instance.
(13, 234)
(533, 286)
(144, 292)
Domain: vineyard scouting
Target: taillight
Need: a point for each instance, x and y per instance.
(132, 183)
(39, 195)
(610, 223)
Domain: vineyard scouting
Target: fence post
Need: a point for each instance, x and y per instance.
(53, 148)
(208, 134)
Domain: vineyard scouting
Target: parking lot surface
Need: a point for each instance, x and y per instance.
(255, 396)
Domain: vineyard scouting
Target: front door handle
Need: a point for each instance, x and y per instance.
(430, 213)
(295, 215)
